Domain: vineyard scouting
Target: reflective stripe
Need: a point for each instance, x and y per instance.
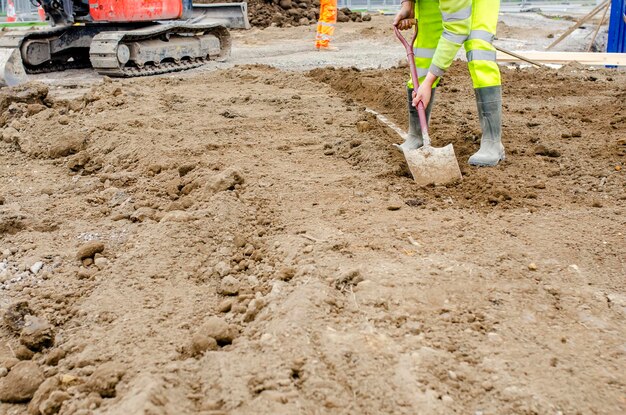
(322, 36)
(437, 71)
(424, 52)
(454, 38)
(481, 35)
(481, 55)
(456, 16)
(422, 72)
(326, 24)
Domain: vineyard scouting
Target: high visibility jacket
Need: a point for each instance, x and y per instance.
(446, 25)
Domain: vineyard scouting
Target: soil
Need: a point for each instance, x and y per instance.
(248, 241)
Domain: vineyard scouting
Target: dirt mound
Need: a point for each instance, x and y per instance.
(283, 13)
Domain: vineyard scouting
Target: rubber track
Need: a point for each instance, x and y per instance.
(111, 43)
(14, 41)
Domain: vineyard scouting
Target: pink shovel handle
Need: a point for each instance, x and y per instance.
(411, 57)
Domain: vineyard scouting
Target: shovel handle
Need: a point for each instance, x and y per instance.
(411, 58)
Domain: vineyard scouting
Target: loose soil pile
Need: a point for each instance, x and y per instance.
(174, 246)
(286, 13)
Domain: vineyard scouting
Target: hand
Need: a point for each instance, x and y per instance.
(405, 19)
(424, 91)
(423, 94)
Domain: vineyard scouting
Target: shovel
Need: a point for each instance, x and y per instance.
(428, 164)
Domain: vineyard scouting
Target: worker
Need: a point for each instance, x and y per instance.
(326, 25)
(443, 26)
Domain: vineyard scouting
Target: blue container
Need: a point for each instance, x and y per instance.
(617, 27)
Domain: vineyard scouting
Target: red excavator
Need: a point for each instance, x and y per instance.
(121, 38)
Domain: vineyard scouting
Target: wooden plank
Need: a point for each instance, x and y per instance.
(585, 58)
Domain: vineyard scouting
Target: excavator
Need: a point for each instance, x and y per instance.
(121, 38)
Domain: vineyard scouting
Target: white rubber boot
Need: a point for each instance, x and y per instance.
(489, 103)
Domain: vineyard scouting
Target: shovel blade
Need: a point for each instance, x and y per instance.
(11, 68)
(430, 165)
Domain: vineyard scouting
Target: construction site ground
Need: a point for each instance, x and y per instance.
(265, 250)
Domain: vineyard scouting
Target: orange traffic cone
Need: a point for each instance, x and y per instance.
(11, 16)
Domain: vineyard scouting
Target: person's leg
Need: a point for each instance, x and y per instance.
(414, 138)
(481, 61)
(429, 28)
(326, 23)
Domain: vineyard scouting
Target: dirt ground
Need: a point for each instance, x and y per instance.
(228, 242)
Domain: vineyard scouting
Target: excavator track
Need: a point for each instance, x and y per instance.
(14, 41)
(49, 50)
(158, 49)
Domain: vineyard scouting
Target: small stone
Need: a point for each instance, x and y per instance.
(487, 385)
(54, 357)
(220, 330)
(254, 307)
(105, 378)
(87, 262)
(532, 266)
(186, 168)
(225, 306)
(222, 269)
(53, 404)
(618, 168)
(348, 279)
(66, 147)
(229, 286)
(15, 316)
(363, 126)
(452, 375)
(542, 150)
(596, 204)
(239, 241)
(37, 333)
(36, 267)
(83, 274)
(21, 383)
(200, 343)
(68, 379)
(64, 120)
(23, 353)
(10, 135)
(393, 207)
(226, 180)
(286, 273)
(101, 262)
(89, 249)
(3, 372)
(142, 214)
